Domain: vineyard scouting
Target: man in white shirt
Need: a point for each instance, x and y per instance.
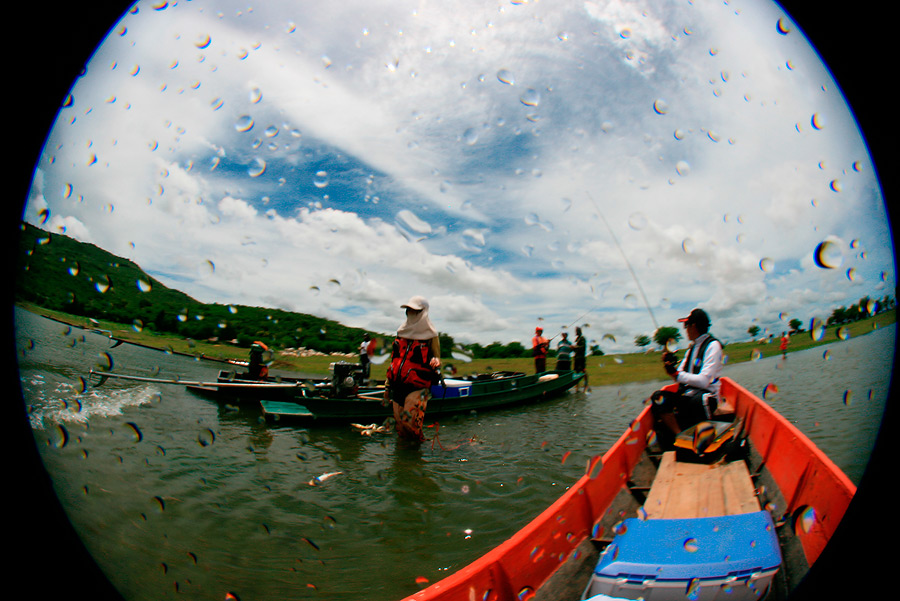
(697, 377)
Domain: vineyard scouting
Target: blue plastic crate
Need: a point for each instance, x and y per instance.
(728, 557)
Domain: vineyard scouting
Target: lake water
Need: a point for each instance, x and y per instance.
(177, 496)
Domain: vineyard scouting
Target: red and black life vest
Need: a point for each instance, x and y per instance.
(409, 364)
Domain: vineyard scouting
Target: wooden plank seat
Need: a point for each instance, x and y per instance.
(694, 490)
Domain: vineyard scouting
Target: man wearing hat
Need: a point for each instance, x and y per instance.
(539, 346)
(697, 377)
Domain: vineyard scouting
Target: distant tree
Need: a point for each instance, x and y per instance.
(663, 335)
(753, 331)
(795, 324)
(447, 343)
(517, 349)
(642, 341)
(839, 316)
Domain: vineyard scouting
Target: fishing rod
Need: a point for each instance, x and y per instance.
(625, 258)
(577, 319)
(103, 376)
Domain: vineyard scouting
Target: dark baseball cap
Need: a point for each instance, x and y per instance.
(698, 317)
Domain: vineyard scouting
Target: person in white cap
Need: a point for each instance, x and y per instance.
(415, 361)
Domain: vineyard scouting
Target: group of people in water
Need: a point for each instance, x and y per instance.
(566, 350)
(415, 365)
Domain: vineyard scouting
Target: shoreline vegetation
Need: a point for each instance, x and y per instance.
(603, 370)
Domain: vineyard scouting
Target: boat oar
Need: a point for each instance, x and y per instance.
(103, 376)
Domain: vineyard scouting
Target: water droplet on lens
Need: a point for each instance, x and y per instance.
(828, 255)
(766, 264)
(506, 76)
(660, 106)
(804, 519)
(59, 437)
(460, 353)
(136, 433)
(637, 221)
(321, 179)
(257, 167)
(693, 589)
(690, 545)
(410, 220)
(103, 286)
(683, 168)
(244, 123)
(206, 437)
(817, 329)
(531, 97)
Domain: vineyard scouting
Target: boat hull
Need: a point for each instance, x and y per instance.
(554, 555)
(481, 395)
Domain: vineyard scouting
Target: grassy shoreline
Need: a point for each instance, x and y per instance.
(602, 370)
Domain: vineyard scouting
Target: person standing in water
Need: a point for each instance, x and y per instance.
(564, 353)
(415, 361)
(579, 349)
(539, 346)
(366, 349)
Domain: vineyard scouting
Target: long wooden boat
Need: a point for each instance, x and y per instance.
(451, 396)
(341, 397)
(740, 510)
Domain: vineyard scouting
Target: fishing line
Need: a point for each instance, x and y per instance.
(625, 258)
(577, 319)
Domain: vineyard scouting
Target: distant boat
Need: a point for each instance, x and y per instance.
(342, 397)
(741, 509)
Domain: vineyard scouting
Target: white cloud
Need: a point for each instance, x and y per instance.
(498, 137)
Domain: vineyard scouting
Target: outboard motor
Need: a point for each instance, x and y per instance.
(345, 378)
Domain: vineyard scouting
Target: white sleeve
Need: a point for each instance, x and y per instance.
(709, 373)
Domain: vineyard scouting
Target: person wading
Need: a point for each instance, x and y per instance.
(415, 361)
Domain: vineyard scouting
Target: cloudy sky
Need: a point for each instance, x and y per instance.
(512, 161)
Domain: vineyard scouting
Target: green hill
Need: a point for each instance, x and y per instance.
(61, 274)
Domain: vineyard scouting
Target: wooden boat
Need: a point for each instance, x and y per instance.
(238, 387)
(343, 398)
(451, 396)
(740, 510)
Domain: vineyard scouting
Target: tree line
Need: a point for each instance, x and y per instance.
(59, 273)
(866, 307)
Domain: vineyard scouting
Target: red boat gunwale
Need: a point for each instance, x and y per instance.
(519, 566)
(806, 476)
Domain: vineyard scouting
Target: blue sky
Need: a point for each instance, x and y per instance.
(470, 152)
